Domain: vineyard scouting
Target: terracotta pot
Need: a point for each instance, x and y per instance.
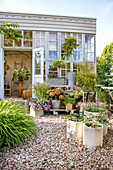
(69, 106)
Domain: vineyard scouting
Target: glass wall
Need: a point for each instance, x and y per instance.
(89, 48)
(53, 46)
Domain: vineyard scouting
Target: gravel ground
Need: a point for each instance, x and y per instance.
(52, 150)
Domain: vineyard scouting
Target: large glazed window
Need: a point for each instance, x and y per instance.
(24, 42)
(89, 48)
(40, 40)
(53, 46)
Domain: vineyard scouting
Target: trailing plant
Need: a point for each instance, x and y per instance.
(52, 76)
(93, 125)
(77, 117)
(56, 94)
(91, 121)
(21, 74)
(15, 124)
(58, 63)
(39, 104)
(68, 100)
(40, 90)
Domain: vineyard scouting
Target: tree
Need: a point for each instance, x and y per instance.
(8, 29)
(104, 70)
(104, 66)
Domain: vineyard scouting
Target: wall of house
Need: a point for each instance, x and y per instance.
(10, 57)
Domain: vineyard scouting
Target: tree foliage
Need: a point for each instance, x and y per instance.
(9, 29)
(104, 66)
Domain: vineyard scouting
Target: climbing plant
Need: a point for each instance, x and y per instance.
(9, 29)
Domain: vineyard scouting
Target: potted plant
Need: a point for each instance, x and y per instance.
(92, 134)
(86, 77)
(40, 90)
(94, 108)
(75, 126)
(104, 122)
(68, 46)
(54, 79)
(69, 102)
(37, 106)
(56, 95)
(21, 74)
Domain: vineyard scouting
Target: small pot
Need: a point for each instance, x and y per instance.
(69, 106)
(56, 104)
(35, 112)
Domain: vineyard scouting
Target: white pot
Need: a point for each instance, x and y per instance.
(35, 112)
(88, 114)
(105, 129)
(74, 130)
(56, 104)
(92, 137)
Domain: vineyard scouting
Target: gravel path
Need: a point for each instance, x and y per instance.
(52, 150)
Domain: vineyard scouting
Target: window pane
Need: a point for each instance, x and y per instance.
(53, 46)
(37, 63)
(52, 36)
(27, 43)
(52, 55)
(28, 35)
(8, 43)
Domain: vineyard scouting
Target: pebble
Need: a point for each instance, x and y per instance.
(52, 150)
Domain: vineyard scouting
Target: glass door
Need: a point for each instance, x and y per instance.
(37, 66)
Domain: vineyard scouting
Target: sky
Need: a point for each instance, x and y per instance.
(102, 10)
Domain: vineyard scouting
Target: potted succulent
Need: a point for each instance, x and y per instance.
(37, 106)
(69, 102)
(68, 46)
(56, 95)
(92, 134)
(75, 126)
(21, 74)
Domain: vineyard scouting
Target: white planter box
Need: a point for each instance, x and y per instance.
(74, 130)
(92, 137)
(56, 81)
(88, 114)
(56, 104)
(35, 112)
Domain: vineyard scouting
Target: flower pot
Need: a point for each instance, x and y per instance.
(56, 104)
(88, 114)
(69, 106)
(105, 130)
(74, 130)
(92, 137)
(71, 78)
(35, 112)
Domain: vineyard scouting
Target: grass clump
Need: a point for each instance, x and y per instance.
(15, 124)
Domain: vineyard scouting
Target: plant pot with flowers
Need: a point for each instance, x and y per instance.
(75, 126)
(37, 106)
(56, 95)
(69, 102)
(92, 134)
(94, 108)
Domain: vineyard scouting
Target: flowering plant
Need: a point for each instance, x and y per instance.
(56, 94)
(93, 107)
(39, 104)
(76, 95)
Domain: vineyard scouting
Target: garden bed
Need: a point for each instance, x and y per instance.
(52, 150)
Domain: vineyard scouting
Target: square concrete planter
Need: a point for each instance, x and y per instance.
(56, 104)
(105, 130)
(92, 137)
(35, 112)
(88, 114)
(74, 130)
(56, 81)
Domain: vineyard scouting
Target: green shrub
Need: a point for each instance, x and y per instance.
(40, 90)
(69, 100)
(103, 96)
(52, 76)
(15, 124)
